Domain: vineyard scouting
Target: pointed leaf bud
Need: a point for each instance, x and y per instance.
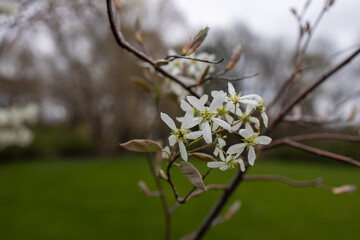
(193, 44)
(235, 57)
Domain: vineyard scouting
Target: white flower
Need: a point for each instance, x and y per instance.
(207, 115)
(250, 140)
(236, 98)
(229, 162)
(218, 149)
(180, 135)
(258, 106)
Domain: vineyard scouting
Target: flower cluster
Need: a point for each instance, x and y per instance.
(188, 71)
(14, 123)
(227, 113)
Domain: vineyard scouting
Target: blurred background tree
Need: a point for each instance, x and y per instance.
(62, 56)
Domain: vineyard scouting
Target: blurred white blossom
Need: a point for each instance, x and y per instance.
(14, 125)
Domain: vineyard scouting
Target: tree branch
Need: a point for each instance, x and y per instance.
(302, 95)
(321, 152)
(316, 183)
(206, 224)
(121, 41)
(315, 136)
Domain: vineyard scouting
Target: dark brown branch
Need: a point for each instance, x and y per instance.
(214, 212)
(321, 152)
(173, 57)
(121, 41)
(302, 95)
(316, 136)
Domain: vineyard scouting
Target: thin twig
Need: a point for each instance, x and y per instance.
(121, 41)
(315, 183)
(315, 136)
(173, 57)
(321, 152)
(208, 187)
(302, 95)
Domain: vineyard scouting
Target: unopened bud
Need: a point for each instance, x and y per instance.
(137, 31)
(235, 57)
(162, 175)
(193, 44)
(144, 188)
(232, 209)
(343, 189)
(117, 4)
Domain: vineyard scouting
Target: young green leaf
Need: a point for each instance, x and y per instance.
(141, 145)
(202, 157)
(192, 174)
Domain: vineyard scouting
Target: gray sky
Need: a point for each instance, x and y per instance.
(272, 18)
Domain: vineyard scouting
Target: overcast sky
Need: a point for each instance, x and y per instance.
(272, 18)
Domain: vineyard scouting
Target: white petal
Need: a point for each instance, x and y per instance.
(236, 127)
(195, 102)
(249, 108)
(179, 119)
(192, 123)
(252, 103)
(215, 164)
(249, 129)
(168, 121)
(183, 152)
(251, 156)
(221, 92)
(256, 121)
(265, 118)
(236, 149)
(228, 158)
(242, 164)
(229, 118)
(221, 142)
(221, 123)
(222, 157)
(223, 168)
(255, 97)
(207, 132)
(194, 135)
(217, 102)
(204, 99)
(231, 89)
(214, 127)
(189, 116)
(172, 140)
(264, 140)
(247, 132)
(214, 93)
(185, 106)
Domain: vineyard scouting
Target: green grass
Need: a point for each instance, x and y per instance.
(99, 199)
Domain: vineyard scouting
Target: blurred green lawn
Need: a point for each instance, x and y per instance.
(99, 199)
